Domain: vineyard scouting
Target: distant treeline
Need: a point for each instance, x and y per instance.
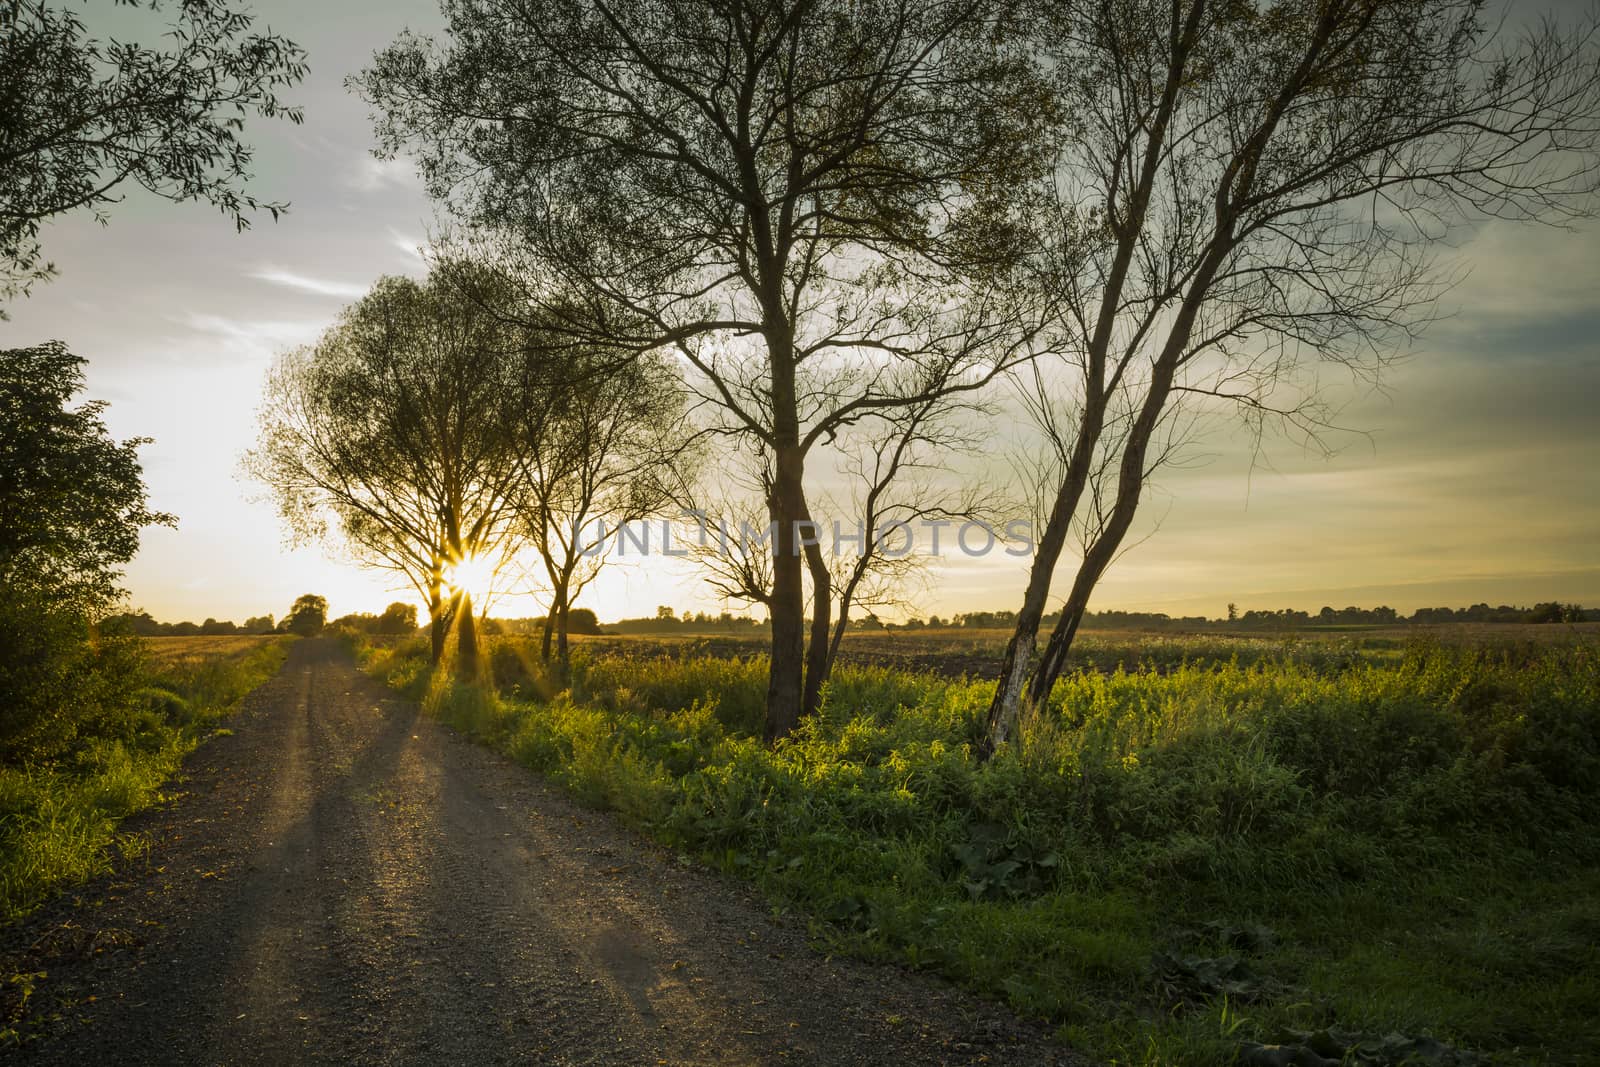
(667, 620)
(397, 618)
(1287, 618)
(143, 625)
(402, 619)
(579, 621)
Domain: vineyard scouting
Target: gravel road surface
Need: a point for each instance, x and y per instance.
(343, 880)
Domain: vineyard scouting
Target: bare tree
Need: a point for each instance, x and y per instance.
(900, 479)
(1245, 189)
(798, 196)
(896, 476)
(393, 429)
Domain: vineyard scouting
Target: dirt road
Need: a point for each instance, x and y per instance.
(345, 881)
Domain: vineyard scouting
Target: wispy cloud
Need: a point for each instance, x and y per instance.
(1522, 273)
(372, 174)
(301, 283)
(409, 245)
(248, 339)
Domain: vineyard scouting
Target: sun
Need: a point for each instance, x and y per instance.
(474, 576)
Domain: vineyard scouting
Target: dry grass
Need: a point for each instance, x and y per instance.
(167, 653)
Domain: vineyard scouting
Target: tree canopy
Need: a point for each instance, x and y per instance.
(1243, 191)
(307, 616)
(811, 202)
(72, 499)
(72, 503)
(392, 431)
(81, 116)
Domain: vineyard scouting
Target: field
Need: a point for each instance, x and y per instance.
(1309, 849)
(954, 652)
(58, 819)
(176, 653)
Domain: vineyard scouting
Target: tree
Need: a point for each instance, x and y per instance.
(601, 444)
(810, 202)
(82, 117)
(72, 499)
(893, 480)
(1244, 188)
(72, 503)
(393, 431)
(307, 617)
(397, 618)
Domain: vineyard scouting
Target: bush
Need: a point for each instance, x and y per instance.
(62, 683)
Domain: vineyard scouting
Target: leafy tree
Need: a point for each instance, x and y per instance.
(397, 618)
(80, 117)
(307, 617)
(808, 201)
(72, 502)
(1244, 188)
(72, 499)
(392, 432)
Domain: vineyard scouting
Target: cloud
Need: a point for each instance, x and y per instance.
(316, 286)
(372, 174)
(410, 246)
(249, 339)
(1522, 273)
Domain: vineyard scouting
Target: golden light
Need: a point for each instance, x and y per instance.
(474, 576)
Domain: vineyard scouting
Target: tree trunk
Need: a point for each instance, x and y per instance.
(1095, 561)
(549, 632)
(438, 623)
(786, 504)
(786, 672)
(561, 637)
(840, 624)
(1006, 707)
(819, 659)
(467, 662)
(1131, 476)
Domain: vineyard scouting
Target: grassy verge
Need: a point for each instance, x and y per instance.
(1373, 861)
(58, 821)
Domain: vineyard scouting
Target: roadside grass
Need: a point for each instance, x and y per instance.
(1301, 859)
(58, 820)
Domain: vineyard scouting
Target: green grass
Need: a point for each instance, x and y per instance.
(1413, 827)
(58, 820)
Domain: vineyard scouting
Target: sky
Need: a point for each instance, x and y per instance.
(1475, 475)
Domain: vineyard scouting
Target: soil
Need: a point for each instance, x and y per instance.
(342, 880)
